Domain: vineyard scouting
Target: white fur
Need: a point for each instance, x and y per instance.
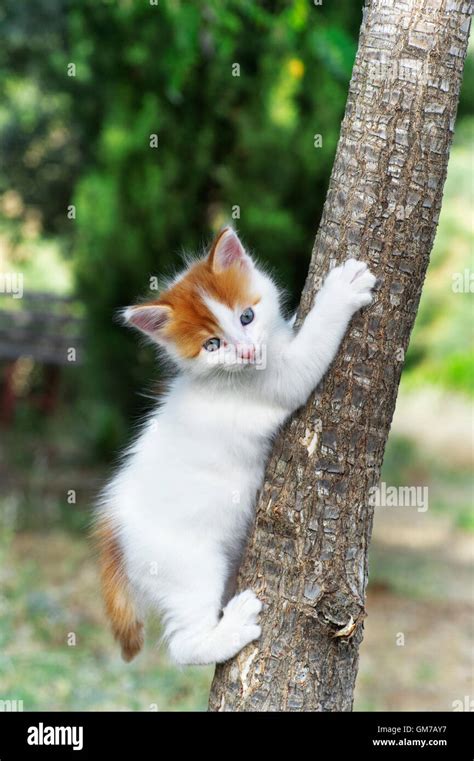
(185, 494)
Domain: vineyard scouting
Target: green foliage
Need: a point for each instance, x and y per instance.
(440, 350)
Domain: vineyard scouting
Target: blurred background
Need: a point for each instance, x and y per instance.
(129, 132)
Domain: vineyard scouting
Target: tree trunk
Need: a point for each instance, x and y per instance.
(307, 556)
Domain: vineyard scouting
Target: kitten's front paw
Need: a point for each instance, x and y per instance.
(351, 283)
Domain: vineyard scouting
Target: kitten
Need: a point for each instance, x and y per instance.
(173, 522)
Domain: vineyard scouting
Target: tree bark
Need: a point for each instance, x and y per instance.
(307, 558)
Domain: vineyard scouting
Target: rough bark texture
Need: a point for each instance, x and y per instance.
(307, 557)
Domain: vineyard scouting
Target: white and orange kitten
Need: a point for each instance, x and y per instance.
(172, 523)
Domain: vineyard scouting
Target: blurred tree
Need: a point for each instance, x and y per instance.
(40, 151)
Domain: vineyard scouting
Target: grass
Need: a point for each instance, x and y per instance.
(56, 649)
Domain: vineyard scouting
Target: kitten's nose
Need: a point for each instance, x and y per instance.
(246, 351)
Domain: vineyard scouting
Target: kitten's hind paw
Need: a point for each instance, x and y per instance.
(240, 619)
(236, 629)
(244, 607)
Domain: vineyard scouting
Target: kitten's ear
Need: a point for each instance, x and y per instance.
(227, 250)
(151, 319)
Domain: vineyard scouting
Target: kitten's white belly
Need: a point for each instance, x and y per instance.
(189, 488)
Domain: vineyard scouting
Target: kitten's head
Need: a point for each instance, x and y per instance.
(218, 314)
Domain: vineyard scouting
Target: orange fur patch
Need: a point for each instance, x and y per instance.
(192, 322)
(127, 629)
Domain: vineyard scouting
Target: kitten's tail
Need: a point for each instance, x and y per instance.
(119, 604)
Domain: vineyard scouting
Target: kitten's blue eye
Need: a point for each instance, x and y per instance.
(212, 344)
(247, 316)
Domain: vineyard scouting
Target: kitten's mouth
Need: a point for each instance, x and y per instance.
(245, 353)
(246, 362)
(255, 358)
